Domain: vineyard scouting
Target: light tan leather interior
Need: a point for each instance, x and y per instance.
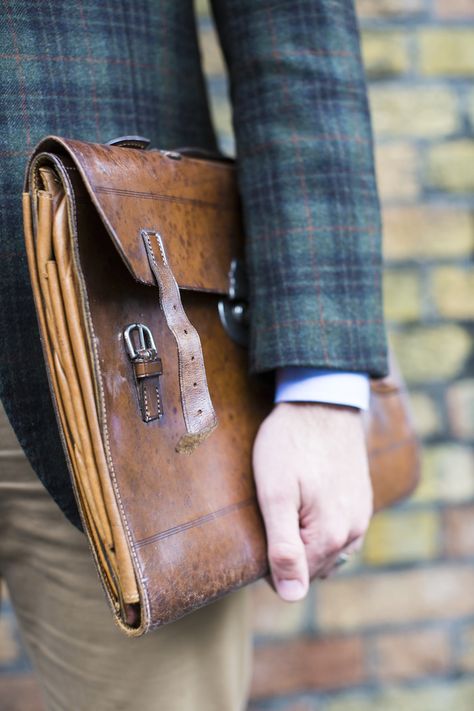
(70, 367)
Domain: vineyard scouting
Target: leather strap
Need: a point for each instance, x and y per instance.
(199, 415)
(147, 378)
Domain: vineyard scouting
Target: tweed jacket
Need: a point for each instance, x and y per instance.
(96, 70)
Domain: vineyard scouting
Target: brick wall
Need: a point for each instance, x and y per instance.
(396, 629)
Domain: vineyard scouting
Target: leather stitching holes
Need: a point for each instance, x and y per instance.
(145, 402)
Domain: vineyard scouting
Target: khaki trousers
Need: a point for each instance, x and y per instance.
(83, 662)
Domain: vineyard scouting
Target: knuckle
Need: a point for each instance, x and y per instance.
(283, 554)
(335, 541)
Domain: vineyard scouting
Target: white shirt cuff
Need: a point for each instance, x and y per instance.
(304, 384)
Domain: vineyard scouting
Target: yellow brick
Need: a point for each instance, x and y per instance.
(432, 353)
(450, 9)
(404, 654)
(420, 232)
(447, 51)
(470, 108)
(453, 289)
(419, 111)
(460, 403)
(402, 536)
(402, 295)
(451, 166)
(385, 53)
(447, 474)
(436, 592)
(397, 171)
(437, 696)
(425, 414)
(388, 8)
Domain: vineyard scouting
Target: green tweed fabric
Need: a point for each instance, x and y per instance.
(97, 70)
(307, 179)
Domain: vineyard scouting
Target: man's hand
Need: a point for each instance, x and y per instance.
(314, 490)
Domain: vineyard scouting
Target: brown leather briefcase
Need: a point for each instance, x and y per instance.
(135, 259)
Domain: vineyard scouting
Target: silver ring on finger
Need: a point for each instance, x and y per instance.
(341, 559)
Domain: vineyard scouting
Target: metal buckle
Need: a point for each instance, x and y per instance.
(233, 309)
(146, 349)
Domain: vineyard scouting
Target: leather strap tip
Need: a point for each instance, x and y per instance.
(189, 441)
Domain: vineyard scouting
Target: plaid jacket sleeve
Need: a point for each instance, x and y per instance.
(307, 183)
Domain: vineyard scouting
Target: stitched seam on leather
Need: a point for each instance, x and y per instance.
(162, 251)
(392, 448)
(145, 400)
(158, 399)
(112, 468)
(160, 196)
(207, 518)
(107, 443)
(106, 438)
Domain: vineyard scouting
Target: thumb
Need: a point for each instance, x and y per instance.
(286, 552)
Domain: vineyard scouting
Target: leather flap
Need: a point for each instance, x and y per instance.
(192, 203)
